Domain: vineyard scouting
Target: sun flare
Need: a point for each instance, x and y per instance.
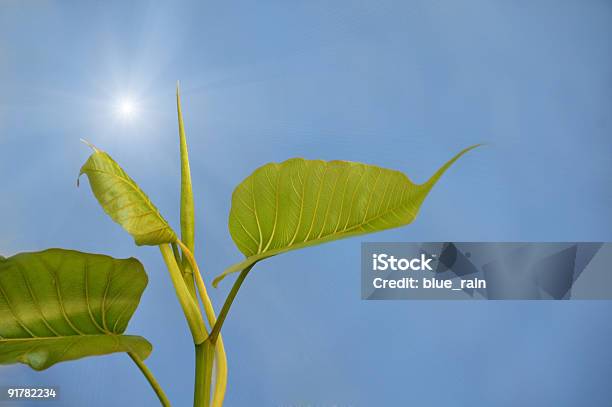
(126, 108)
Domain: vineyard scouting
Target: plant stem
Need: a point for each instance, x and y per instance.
(216, 330)
(163, 399)
(188, 304)
(221, 358)
(203, 375)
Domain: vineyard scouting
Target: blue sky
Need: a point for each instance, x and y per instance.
(401, 84)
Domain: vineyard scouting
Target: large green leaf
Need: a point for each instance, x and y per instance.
(124, 201)
(300, 203)
(60, 305)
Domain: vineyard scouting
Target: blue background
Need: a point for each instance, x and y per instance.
(400, 84)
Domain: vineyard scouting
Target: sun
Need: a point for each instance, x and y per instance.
(126, 108)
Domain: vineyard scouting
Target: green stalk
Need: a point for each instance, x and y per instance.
(163, 399)
(228, 303)
(221, 358)
(204, 356)
(203, 376)
(188, 304)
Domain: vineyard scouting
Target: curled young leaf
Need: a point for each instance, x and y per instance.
(300, 203)
(187, 206)
(124, 201)
(59, 305)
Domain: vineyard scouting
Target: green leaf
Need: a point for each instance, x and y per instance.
(59, 305)
(124, 201)
(300, 203)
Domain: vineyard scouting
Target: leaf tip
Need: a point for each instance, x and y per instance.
(434, 178)
(178, 97)
(88, 144)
